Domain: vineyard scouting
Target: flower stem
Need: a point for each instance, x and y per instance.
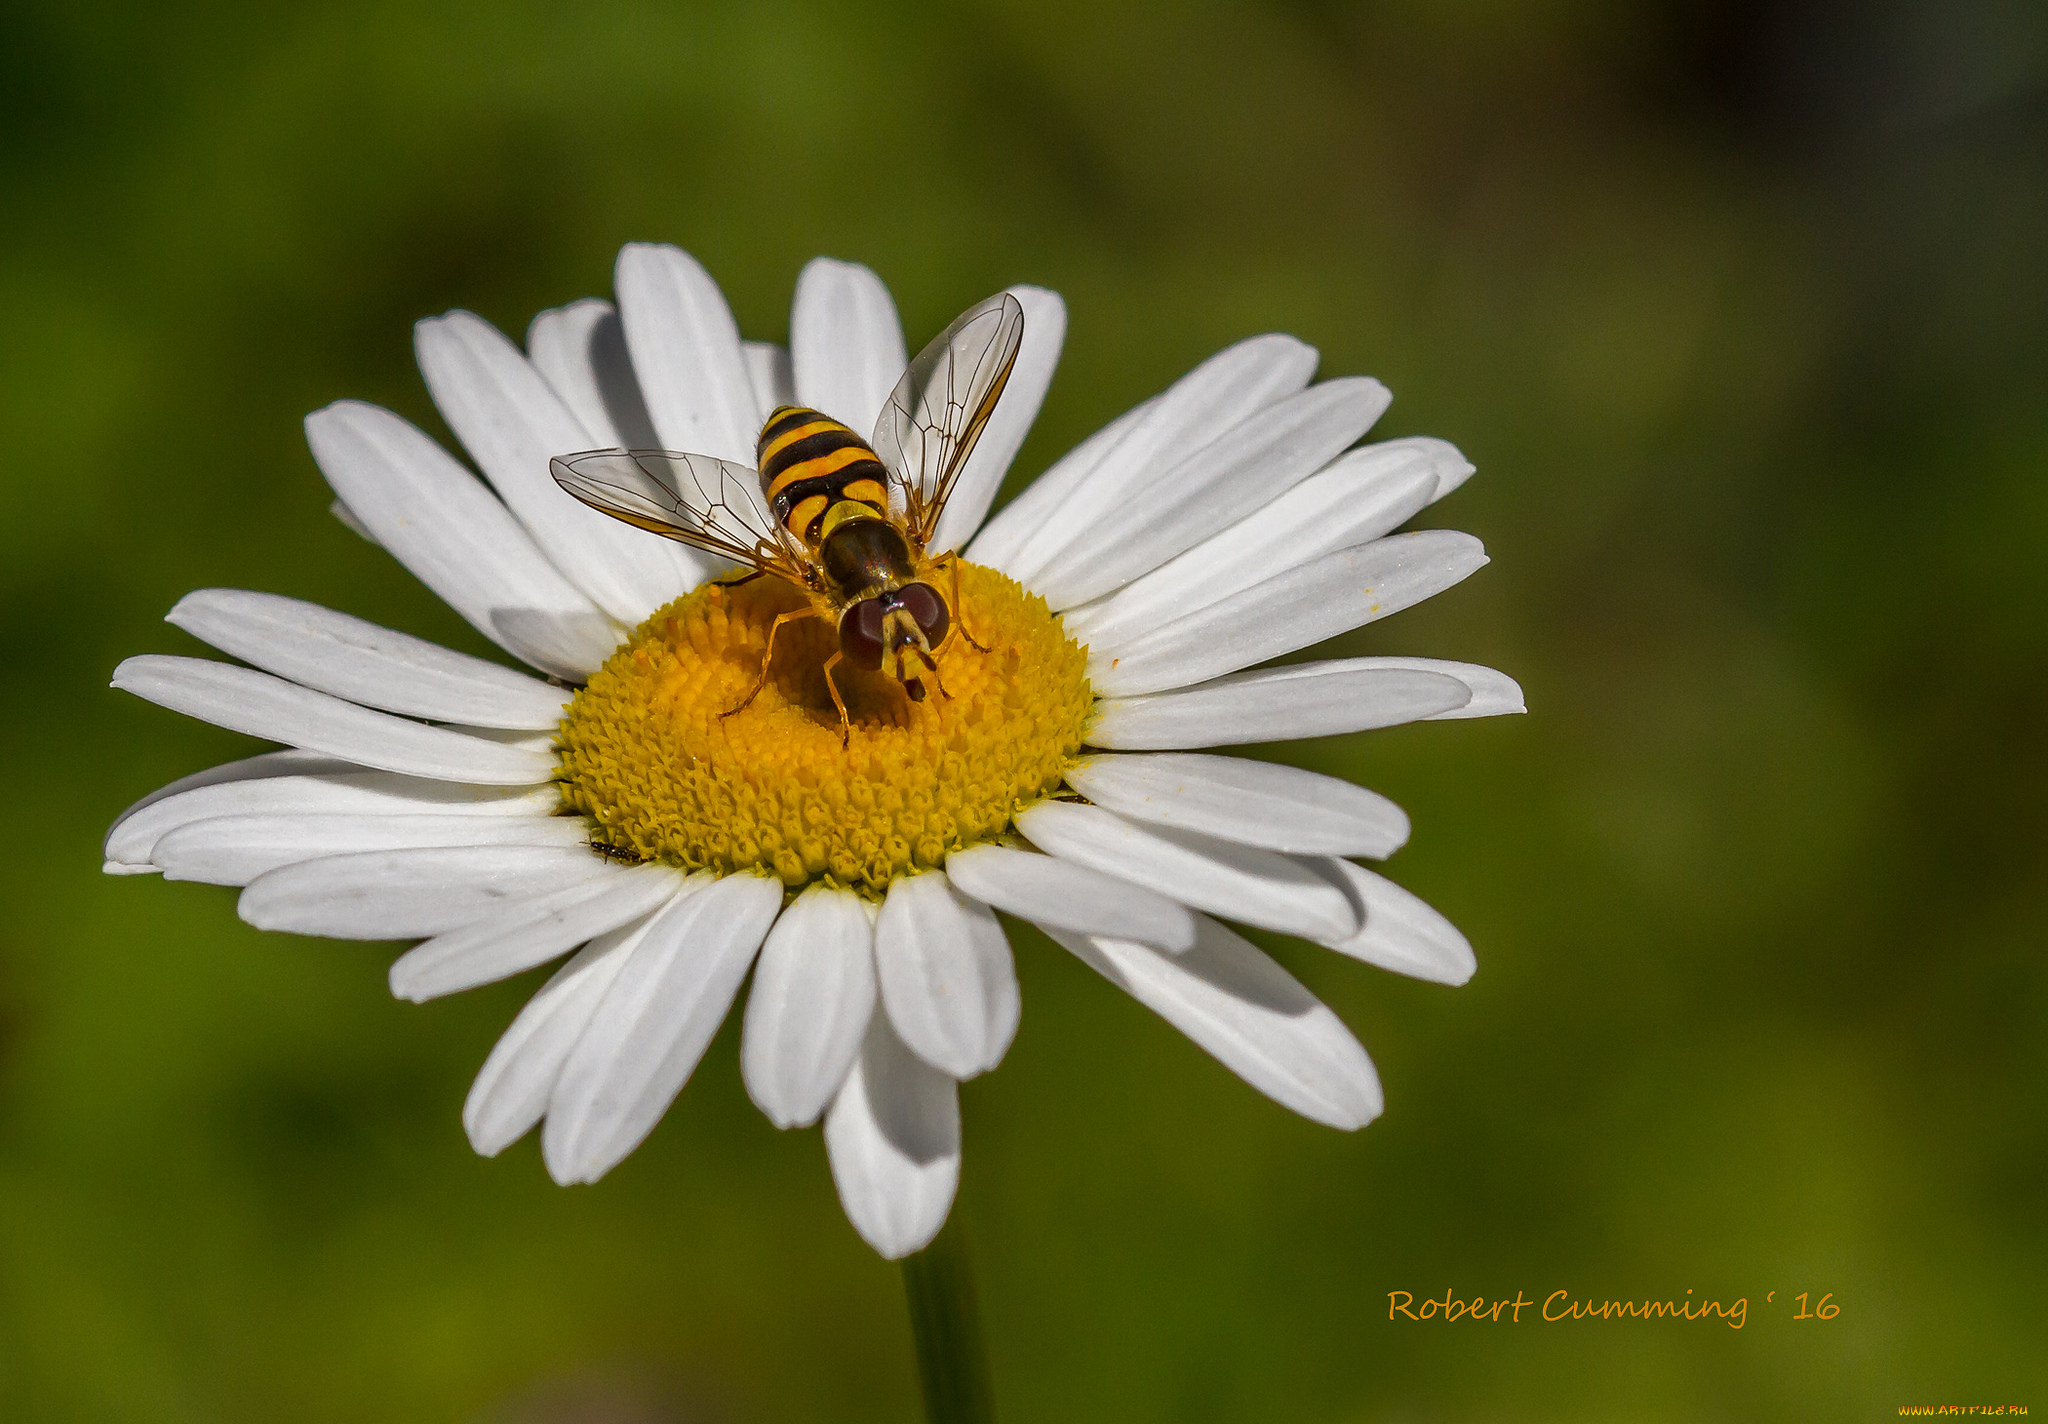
(947, 1328)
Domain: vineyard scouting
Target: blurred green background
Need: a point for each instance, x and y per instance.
(1742, 311)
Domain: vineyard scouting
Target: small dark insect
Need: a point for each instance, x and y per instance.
(847, 521)
(618, 853)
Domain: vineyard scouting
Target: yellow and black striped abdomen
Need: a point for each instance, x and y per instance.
(810, 462)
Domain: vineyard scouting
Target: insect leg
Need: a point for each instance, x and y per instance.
(768, 656)
(932, 664)
(960, 613)
(845, 722)
(747, 577)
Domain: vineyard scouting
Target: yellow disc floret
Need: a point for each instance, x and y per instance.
(661, 775)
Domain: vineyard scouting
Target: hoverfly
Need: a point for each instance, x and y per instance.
(851, 520)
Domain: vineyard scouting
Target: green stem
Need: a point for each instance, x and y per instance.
(947, 1328)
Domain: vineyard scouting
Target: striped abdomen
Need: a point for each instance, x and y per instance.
(809, 462)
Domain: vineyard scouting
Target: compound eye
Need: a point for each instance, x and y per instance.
(860, 634)
(922, 602)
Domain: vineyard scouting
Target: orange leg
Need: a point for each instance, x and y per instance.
(845, 722)
(938, 681)
(768, 656)
(959, 613)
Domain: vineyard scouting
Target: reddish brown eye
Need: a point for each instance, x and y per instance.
(860, 633)
(927, 609)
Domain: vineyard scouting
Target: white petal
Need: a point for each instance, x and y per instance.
(1256, 802)
(893, 1137)
(131, 835)
(1045, 330)
(1052, 891)
(1235, 1002)
(944, 969)
(654, 1024)
(1363, 495)
(1278, 704)
(1239, 882)
(265, 706)
(441, 523)
(125, 867)
(235, 849)
(845, 343)
(686, 353)
(1446, 461)
(522, 737)
(770, 373)
(1227, 388)
(511, 1091)
(532, 932)
(812, 996)
(404, 894)
(998, 544)
(334, 652)
(310, 785)
(580, 351)
(1401, 932)
(1259, 458)
(1324, 597)
(512, 423)
(1494, 694)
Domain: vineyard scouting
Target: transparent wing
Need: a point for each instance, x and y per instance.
(937, 411)
(697, 500)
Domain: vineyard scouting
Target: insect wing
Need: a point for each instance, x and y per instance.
(938, 410)
(697, 500)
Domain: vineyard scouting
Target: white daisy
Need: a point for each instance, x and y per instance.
(607, 812)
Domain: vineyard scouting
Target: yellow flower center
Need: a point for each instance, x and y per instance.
(648, 757)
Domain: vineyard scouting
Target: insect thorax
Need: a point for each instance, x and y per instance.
(862, 553)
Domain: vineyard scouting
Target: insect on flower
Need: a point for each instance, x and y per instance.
(846, 521)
